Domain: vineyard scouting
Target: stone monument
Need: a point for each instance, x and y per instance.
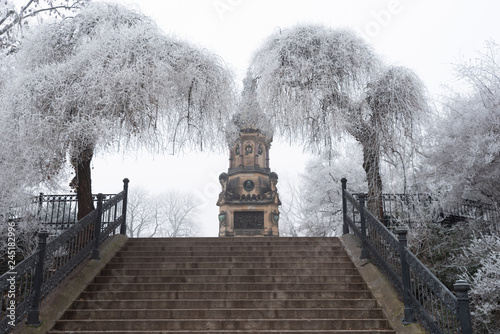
(249, 201)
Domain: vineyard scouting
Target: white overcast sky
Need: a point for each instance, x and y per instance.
(426, 36)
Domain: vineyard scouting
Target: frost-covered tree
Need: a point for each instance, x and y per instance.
(169, 214)
(15, 16)
(314, 206)
(465, 161)
(19, 171)
(109, 77)
(319, 83)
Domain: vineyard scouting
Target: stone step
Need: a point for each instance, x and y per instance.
(122, 264)
(229, 248)
(296, 313)
(261, 331)
(224, 303)
(237, 241)
(219, 324)
(238, 253)
(289, 279)
(125, 271)
(262, 259)
(221, 294)
(226, 286)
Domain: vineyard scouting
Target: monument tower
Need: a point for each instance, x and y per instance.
(249, 201)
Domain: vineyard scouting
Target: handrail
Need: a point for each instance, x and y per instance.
(55, 212)
(25, 285)
(424, 296)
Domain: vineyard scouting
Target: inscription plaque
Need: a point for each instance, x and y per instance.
(249, 220)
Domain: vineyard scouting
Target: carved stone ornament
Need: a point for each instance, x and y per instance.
(248, 185)
(222, 219)
(248, 149)
(276, 217)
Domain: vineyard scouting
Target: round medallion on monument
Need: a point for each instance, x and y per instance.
(248, 185)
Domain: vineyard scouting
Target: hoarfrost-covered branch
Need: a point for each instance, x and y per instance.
(109, 75)
(319, 83)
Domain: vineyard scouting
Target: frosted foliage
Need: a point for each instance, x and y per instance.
(308, 77)
(109, 75)
(169, 214)
(19, 15)
(466, 157)
(485, 292)
(249, 115)
(397, 102)
(319, 83)
(24, 153)
(314, 208)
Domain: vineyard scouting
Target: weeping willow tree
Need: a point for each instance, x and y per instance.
(320, 83)
(109, 77)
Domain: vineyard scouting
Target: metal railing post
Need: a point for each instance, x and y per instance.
(123, 228)
(364, 251)
(409, 316)
(97, 227)
(34, 312)
(40, 205)
(345, 227)
(463, 312)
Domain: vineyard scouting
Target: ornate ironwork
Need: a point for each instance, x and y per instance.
(435, 306)
(249, 220)
(62, 255)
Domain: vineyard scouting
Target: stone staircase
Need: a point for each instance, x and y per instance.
(227, 285)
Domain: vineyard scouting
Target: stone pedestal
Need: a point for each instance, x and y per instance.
(250, 204)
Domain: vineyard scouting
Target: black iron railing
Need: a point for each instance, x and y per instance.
(405, 208)
(425, 297)
(59, 212)
(25, 285)
(55, 212)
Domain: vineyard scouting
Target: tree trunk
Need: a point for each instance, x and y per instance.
(371, 165)
(83, 182)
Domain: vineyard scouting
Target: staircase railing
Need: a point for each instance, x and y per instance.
(424, 296)
(55, 212)
(27, 283)
(403, 207)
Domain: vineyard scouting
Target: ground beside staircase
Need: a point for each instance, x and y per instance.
(227, 285)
